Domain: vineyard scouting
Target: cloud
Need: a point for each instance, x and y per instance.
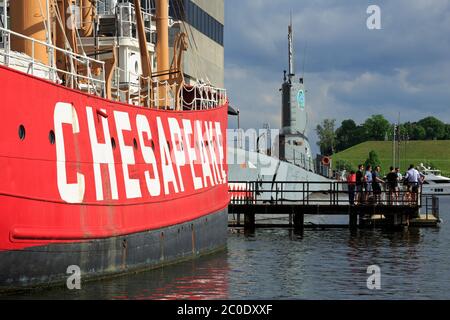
(350, 71)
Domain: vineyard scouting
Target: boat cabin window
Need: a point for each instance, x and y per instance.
(441, 181)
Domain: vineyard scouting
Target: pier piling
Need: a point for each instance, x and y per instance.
(249, 221)
(299, 221)
(353, 218)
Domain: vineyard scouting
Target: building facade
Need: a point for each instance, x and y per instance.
(204, 21)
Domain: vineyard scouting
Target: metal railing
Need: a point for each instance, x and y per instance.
(127, 21)
(202, 97)
(91, 84)
(126, 18)
(310, 193)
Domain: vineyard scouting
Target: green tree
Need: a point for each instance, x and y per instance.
(376, 127)
(407, 129)
(404, 131)
(434, 128)
(345, 135)
(447, 132)
(360, 135)
(418, 132)
(372, 160)
(327, 137)
(349, 135)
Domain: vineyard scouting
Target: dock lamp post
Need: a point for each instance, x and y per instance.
(238, 112)
(235, 112)
(239, 128)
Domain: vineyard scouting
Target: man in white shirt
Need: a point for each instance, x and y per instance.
(414, 178)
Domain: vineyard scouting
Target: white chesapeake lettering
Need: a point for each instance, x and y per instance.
(153, 184)
(219, 137)
(166, 160)
(212, 151)
(187, 128)
(203, 155)
(65, 113)
(178, 153)
(102, 153)
(132, 187)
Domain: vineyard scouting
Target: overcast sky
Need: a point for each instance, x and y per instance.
(350, 71)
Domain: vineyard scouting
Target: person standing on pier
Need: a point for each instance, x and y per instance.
(376, 184)
(351, 181)
(392, 184)
(415, 179)
(399, 183)
(359, 184)
(368, 182)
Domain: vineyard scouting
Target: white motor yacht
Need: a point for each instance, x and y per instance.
(435, 183)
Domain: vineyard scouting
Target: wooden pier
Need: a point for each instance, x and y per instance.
(290, 200)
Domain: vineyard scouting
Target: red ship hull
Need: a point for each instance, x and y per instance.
(102, 185)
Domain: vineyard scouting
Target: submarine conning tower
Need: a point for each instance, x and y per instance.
(294, 144)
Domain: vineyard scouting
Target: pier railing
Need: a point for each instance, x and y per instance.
(310, 193)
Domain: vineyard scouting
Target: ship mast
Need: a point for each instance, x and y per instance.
(162, 44)
(291, 50)
(29, 19)
(87, 16)
(162, 48)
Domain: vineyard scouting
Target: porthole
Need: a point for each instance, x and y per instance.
(21, 132)
(51, 137)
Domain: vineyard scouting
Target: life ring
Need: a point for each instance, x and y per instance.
(326, 161)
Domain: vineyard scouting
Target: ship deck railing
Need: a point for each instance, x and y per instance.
(196, 97)
(92, 84)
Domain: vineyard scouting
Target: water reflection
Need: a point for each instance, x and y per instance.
(204, 278)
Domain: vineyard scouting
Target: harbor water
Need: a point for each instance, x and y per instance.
(279, 264)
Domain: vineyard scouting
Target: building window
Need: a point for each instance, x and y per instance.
(198, 18)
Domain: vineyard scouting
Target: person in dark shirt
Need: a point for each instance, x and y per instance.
(392, 184)
(359, 184)
(376, 184)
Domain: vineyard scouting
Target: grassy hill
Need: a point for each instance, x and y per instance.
(412, 152)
